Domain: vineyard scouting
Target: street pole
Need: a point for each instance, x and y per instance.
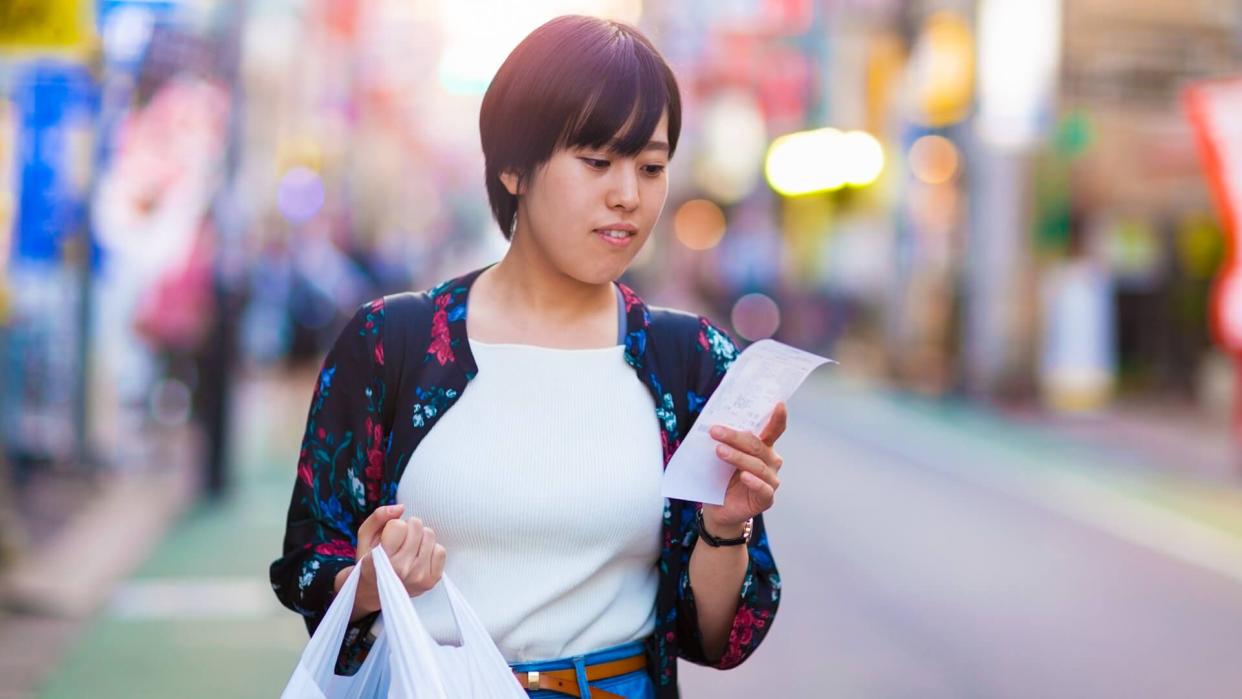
(229, 268)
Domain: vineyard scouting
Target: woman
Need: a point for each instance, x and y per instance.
(539, 488)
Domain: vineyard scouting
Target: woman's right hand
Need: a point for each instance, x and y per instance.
(412, 549)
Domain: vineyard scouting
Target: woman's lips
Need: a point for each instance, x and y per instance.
(616, 242)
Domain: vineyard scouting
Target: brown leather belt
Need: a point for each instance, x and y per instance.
(566, 681)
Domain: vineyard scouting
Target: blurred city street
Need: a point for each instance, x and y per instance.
(928, 549)
(1015, 224)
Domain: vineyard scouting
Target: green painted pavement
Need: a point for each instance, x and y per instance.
(248, 651)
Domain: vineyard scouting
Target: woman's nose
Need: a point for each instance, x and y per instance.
(623, 192)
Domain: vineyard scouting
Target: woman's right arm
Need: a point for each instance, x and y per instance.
(339, 473)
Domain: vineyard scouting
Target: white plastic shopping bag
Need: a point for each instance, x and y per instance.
(405, 662)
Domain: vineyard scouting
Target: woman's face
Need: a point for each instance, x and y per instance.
(589, 211)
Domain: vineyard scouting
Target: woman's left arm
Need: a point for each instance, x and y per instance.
(727, 611)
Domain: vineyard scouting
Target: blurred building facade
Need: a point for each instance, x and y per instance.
(996, 198)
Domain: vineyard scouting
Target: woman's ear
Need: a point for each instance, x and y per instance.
(512, 182)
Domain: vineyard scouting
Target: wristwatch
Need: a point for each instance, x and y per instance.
(714, 542)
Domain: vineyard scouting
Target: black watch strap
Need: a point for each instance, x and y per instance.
(715, 542)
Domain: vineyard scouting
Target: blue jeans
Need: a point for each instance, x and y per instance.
(632, 685)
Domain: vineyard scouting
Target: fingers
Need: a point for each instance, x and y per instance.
(420, 571)
(419, 560)
(438, 557)
(763, 494)
(744, 441)
(393, 537)
(414, 529)
(748, 443)
(776, 425)
(747, 463)
(368, 533)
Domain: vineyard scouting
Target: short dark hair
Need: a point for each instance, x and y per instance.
(573, 82)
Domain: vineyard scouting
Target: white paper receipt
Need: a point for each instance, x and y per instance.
(767, 373)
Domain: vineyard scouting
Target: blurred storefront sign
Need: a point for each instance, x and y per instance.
(781, 17)
(54, 106)
(1019, 61)
(40, 25)
(1213, 108)
(1077, 366)
(941, 71)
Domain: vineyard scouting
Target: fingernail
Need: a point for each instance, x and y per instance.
(723, 451)
(718, 432)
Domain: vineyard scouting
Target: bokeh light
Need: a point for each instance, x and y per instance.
(934, 159)
(863, 157)
(699, 224)
(942, 69)
(823, 160)
(734, 139)
(756, 316)
(300, 195)
(803, 162)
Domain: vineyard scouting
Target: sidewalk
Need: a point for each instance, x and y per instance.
(199, 620)
(86, 536)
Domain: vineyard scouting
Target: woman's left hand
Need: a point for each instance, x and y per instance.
(752, 489)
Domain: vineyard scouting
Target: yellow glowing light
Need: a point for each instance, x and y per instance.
(699, 224)
(823, 160)
(934, 159)
(863, 157)
(942, 69)
(804, 162)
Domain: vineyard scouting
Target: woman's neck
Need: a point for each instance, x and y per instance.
(525, 299)
(530, 283)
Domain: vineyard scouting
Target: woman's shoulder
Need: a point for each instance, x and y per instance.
(695, 340)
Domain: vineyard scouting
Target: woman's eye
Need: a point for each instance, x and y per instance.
(653, 170)
(596, 163)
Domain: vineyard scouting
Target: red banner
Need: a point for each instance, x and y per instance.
(1214, 108)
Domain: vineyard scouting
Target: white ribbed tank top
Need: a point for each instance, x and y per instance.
(543, 484)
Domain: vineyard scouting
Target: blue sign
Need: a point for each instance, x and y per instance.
(56, 104)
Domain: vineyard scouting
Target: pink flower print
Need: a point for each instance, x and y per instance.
(631, 299)
(338, 547)
(374, 470)
(742, 634)
(379, 353)
(304, 468)
(441, 347)
(668, 446)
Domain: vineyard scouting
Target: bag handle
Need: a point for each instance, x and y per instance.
(319, 657)
(407, 637)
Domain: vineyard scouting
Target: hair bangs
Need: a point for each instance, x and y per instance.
(623, 110)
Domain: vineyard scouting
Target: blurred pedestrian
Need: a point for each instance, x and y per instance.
(544, 478)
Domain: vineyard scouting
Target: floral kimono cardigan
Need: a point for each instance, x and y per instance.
(370, 409)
